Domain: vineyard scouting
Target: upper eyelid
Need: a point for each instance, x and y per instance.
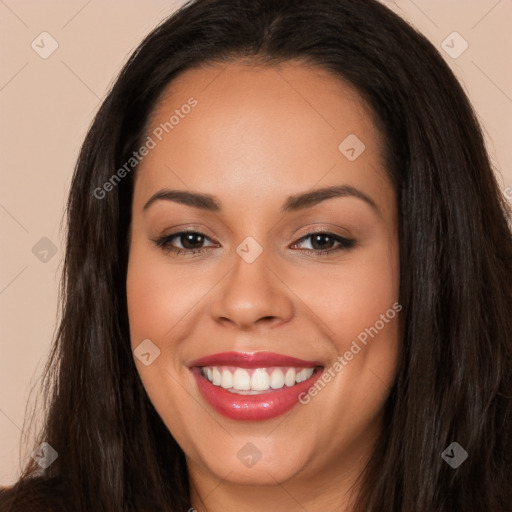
(177, 234)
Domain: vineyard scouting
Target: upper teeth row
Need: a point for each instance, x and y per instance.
(258, 379)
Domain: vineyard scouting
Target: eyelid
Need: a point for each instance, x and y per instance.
(344, 243)
(186, 228)
(164, 239)
(199, 230)
(323, 227)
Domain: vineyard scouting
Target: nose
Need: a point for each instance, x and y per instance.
(252, 294)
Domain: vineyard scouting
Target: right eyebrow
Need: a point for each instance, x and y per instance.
(193, 199)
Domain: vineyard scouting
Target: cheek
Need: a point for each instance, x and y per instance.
(356, 307)
(158, 295)
(157, 298)
(351, 296)
(151, 300)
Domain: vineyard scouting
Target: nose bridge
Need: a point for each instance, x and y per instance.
(251, 290)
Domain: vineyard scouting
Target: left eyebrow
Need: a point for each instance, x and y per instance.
(308, 199)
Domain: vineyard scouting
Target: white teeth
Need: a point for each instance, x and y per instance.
(255, 380)
(306, 373)
(241, 380)
(260, 380)
(277, 379)
(226, 380)
(216, 377)
(303, 375)
(289, 378)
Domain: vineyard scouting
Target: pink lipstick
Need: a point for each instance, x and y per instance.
(253, 386)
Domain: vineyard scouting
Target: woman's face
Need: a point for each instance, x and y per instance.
(254, 278)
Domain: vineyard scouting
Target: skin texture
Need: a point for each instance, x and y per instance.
(257, 136)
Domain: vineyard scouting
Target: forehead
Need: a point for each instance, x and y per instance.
(260, 131)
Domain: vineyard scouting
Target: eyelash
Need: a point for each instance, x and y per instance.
(165, 243)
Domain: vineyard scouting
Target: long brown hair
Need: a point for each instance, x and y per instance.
(454, 379)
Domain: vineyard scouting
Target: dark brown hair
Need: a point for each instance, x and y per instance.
(454, 379)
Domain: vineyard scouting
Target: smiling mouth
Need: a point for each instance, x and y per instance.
(256, 381)
(253, 386)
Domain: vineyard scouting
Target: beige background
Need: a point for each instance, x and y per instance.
(47, 105)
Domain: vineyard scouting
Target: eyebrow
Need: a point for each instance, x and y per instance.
(292, 204)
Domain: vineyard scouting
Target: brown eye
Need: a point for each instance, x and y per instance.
(190, 241)
(322, 243)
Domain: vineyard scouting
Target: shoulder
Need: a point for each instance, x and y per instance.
(35, 494)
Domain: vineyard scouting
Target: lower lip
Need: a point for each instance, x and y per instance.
(253, 407)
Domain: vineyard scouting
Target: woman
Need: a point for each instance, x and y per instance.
(207, 358)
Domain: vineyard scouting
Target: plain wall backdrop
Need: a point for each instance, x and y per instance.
(58, 59)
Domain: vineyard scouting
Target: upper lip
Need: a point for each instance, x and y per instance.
(252, 360)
